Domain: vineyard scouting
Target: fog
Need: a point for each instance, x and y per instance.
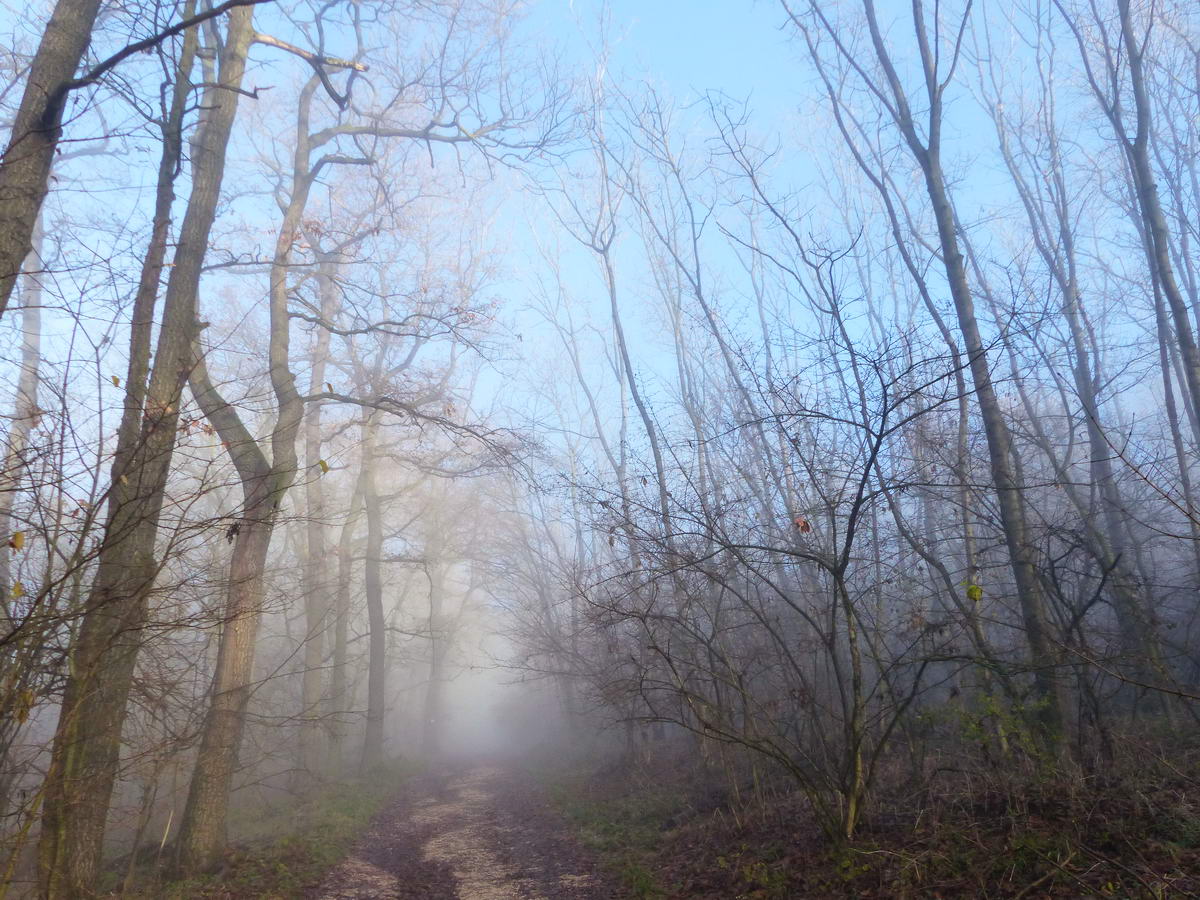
(775, 430)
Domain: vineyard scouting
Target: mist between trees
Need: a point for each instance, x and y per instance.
(383, 381)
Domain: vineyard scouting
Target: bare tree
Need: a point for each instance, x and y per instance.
(87, 741)
(939, 56)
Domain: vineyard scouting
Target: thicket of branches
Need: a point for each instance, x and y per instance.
(841, 447)
(904, 491)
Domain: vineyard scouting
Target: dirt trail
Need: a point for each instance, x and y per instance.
(481, 834)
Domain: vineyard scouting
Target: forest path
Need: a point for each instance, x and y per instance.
(484, 833)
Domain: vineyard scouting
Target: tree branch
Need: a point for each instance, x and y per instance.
(93, 74)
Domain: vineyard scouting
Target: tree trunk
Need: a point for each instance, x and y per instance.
(1102, 513)
(1156, 232)
(339, 700)
(25, 166)
(25, 408)
(373, 582)
(316, 585)
(87, 740)
(16, 671)
(202, 829)
(264, 485)
(1191, 508)
(1049, 713)
(431, 740)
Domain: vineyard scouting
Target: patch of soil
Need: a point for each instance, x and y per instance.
(388, 861)
(484, 833)
(535, 841)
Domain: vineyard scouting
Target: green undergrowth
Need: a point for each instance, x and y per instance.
(283, 852)
(1137, 836)
(624, 829)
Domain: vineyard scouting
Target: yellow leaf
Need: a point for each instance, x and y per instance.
(324, 466)
(24, 703)
(17, 541)
(18, 590)
(116, 381)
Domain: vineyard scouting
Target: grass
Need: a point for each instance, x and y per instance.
(624, 829)
(284, 854)
(1128, 834)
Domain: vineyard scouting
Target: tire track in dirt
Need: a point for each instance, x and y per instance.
(485, 833)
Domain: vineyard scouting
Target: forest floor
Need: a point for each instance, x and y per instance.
(561, 828)
(481, 833)
(668, 832)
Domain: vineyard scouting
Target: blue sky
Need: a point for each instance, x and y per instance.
(682, 50)
(731, 45)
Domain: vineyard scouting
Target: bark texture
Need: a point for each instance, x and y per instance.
(373, 586)
(265, 481)
(25, 166)
(317, 600)
(87, 740)
(1049, 708)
